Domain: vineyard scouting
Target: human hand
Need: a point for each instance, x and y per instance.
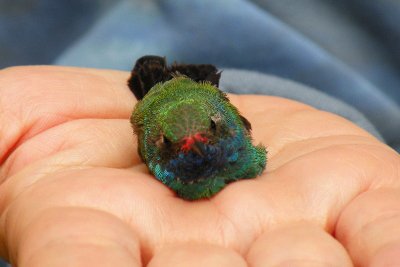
(75, 193)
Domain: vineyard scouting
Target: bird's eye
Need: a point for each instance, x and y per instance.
(215, 122)
(213, 126)
(165, 140)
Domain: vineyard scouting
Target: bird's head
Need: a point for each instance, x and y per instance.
(186, 125)
(190, 140)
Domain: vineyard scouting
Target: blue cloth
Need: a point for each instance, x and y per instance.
(242, 34)
(347, 50)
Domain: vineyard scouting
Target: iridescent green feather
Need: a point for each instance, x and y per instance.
(179, 108)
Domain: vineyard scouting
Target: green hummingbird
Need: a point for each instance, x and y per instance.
(189, 134)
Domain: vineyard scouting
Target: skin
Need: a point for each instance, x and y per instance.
(75, 193)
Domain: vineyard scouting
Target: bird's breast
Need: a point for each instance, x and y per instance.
(192, 166)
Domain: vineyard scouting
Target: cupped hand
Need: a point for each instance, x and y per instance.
(75, 193)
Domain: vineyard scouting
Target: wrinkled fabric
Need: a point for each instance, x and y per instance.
(347, 49)
(345, 53)
(243, 34)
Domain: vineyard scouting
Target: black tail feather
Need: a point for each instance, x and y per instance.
(202, 72)
(150, 70)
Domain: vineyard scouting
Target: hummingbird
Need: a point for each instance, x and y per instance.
(190, 136)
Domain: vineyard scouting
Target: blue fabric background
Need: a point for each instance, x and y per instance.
(348, 49)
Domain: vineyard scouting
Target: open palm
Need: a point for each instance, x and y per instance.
(75, 193)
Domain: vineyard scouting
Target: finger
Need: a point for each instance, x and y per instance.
(297, 245)
(76, 144)
(91, 142)
(196, 255)
(314, 186)
(280, 123)
(33, 99)
(370, 228)
(74, 237)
